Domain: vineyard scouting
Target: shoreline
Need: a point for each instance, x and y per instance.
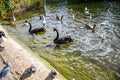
(21, 58)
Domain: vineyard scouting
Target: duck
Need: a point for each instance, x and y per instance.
(59, 17)
(33, 31)
(86, 11)
(44, 20)
(63, 40)
(89, 26)
(12, 18)
(41, 17)
(2, 39)
(5, 71)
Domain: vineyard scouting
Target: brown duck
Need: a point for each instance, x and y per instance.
(89, 26)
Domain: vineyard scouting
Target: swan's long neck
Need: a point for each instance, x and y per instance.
(57, 35)
(30, 26)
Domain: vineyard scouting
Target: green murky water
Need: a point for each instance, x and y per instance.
(92, 56)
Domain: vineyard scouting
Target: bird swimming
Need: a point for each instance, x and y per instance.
(63, 40)
(33, 31)
(44, 20)
(2, 39)
(86, 11)
(4, 71)
(41, 17)
(12, 18)
(59, 17)
(89, 26)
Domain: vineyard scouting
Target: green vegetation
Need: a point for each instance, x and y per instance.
(6, 6)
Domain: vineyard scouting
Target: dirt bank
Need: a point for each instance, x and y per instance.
(20, 59)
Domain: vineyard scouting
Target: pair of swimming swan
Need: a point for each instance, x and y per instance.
(57, 40)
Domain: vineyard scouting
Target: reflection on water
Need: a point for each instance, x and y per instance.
(82, 58)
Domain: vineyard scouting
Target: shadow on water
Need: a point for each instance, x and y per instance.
(86, 58)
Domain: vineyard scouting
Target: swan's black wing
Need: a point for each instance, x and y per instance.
(60, 41)
(37, 30)
(68, 39)
(63, 40)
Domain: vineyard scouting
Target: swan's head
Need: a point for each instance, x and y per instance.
(54, 29)
(26, 23)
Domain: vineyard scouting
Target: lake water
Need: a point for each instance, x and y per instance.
(91, 56)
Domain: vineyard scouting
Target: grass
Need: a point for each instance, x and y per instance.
(8, 5)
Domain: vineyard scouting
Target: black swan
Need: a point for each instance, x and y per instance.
(2, 39)
(59, 17)
(5, 71)
(89, 26)
(34, 31)
(63, 40)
